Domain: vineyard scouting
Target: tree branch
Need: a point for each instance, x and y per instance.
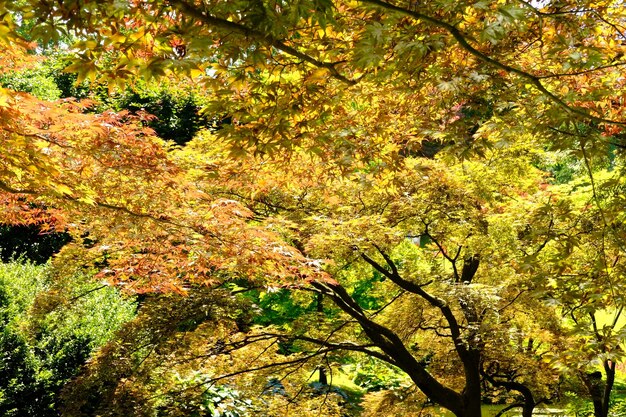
(455, 271)
(470, 266)
(437, 302)
(342, 346)
(248, 370)
(509, 407)
(262, 37)
(464, 43)
(395, 277)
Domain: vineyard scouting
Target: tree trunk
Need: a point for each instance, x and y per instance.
(598, 393)
(609, 369)
(472, 393)
(323, 378)
(473, 407)
(465, 404)
(528, 408)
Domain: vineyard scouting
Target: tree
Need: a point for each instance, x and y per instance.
(82, 173)
(582, 275)
(177, 110)
(343, 96)
(449, 296)
(435, 47)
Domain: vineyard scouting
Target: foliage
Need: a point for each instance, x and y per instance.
(39, 354)
(375, 376)
(28, 243)
(35, 82)
(53, 67)
(258, 58)
(183, 369)
(325, 185)
(123, 379)
(214, 401)
(279, 307)
(580, 407)
(178, 114)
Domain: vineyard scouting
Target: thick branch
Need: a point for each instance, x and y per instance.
(529, 401)
(609, 370)
(469, 356)
(386, 340)
(259, 36)
(382, 336)
(406, 285)
(511, 386)
(470, 266)
(411, 287)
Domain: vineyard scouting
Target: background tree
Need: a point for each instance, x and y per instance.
(370, 219)
(583, 280)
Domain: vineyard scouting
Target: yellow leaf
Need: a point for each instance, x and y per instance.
(5, 96)
(87, 200)
(63, 189)
(317, 75)
(195, 72)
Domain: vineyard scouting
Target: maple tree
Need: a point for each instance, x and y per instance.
(448, 296)
(583, 279)
(321, 173)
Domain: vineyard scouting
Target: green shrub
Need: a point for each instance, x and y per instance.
(40, 351)
(35, 81)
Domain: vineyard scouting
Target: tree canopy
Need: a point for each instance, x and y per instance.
(436, 185)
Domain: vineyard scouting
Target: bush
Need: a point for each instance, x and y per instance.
(36, 81)
(39, 353)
